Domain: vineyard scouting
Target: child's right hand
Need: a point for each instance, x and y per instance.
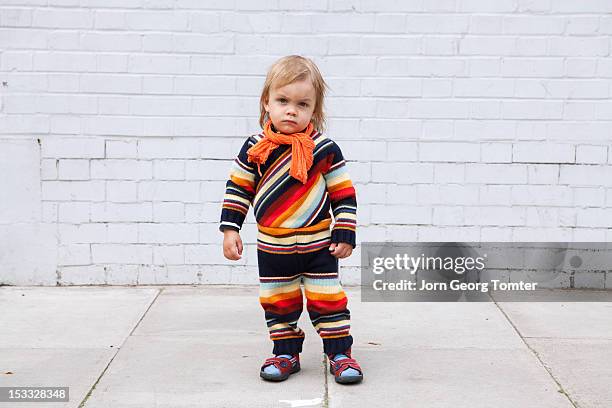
(232, 244)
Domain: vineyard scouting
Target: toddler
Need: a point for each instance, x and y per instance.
(292, 175)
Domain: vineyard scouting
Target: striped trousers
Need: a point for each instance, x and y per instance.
(280, 295)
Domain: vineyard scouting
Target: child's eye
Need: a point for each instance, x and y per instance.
(282, 100)
(304, 104)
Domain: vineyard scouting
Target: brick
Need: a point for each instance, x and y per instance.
(589, 196)
(210, 169)
(121, 254)
(159, 20)
(109, 83)
(185, 191)
(364, 150)
(121, 149)
(496, 216)
(169, 169)
(82, 233)
(532, 24)
(494, 195)
(591, 154)
(122, 233)
(496, 173)
(169, 255)
(437, 88)
(398, 194)
(542, 173)
(168, 212)
(446, 194)
(74, 212)
(74, 254)
(448, 216)
(204, 43)
(16, 61)
(167, 233)
(453, 233)
(390, 23)
(532, 109)
(111, 63)
(581, 67)
(158, 64)
(551, 196)
(63, 82)
(532, 67)
(110, 19)
(531, 152)
(402, 151)
(73, 169)
(496, 152)
(481, 6)
(62, 18)
(483, 87)
(449, 173)
(63, 61)
(372, 193)
(585, 175)
(449, 152)
(578, 46)
(91, 190)
(49, 169)
(485, 24)
(158, 84)
(16, 17)
(542, 217)
(593, 217)
(121, 191)
(114, 169)
(402, 173)
(402, 214)
(181, 148)
(111, 41)
(121, 212)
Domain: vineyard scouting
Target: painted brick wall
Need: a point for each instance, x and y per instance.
(462, 120)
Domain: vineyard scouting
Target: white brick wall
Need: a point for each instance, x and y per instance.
(461, 120)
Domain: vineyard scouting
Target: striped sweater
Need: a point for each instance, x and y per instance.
(292, 217)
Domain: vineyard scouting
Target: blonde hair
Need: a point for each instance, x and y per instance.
(290, 69)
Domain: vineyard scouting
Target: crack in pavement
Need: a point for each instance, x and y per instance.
(93, 387)
(561, 390)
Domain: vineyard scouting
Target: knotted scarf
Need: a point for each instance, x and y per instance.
(301, 143)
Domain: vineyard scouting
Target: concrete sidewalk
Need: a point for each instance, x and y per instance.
(188, 346)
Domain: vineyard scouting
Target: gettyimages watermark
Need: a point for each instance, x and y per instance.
(485, 271)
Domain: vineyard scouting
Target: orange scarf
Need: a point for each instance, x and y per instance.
(301, 143)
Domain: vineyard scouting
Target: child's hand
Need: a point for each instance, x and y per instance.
(232, 244)
(341, 249)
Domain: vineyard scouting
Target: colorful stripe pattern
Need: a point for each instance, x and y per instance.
(326, 302)
(292, 217)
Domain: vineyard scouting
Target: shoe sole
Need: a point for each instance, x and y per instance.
(273, 377)
(347, 379)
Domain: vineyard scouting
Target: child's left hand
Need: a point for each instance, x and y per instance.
(341, 249)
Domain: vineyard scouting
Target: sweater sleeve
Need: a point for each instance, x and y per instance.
(342, 197)
(239, 190)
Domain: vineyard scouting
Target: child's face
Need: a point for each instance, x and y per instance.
(290, 107)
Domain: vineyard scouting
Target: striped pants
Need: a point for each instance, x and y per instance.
(280, 295)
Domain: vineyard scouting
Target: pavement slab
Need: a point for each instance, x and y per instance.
(200, 347)
(64, 336)
(583, 367)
